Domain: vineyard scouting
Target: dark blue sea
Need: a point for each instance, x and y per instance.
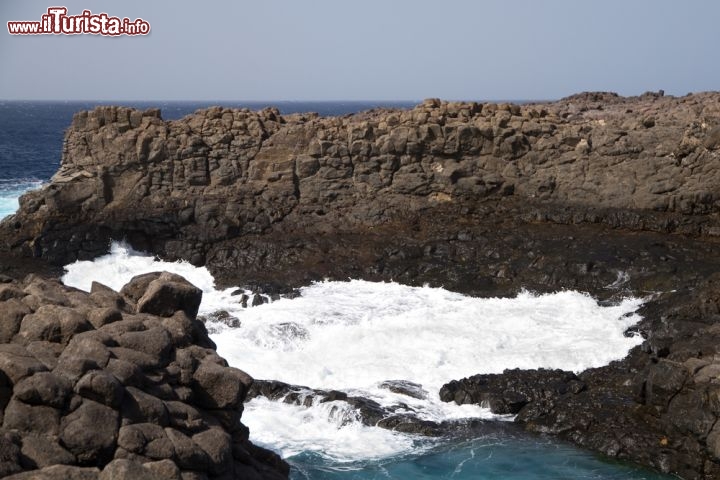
(31, 138)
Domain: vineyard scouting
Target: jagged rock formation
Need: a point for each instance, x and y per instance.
(596, 192)
(108, 385)
(184, 188)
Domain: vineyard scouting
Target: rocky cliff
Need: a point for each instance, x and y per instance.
(108, 385)
(610, 195)
(184, 188)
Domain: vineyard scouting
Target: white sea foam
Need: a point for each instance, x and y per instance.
(10, 192)
(327, 429)
(354, 335)
(123, 263)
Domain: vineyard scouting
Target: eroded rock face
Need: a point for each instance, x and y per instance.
(88, 391)
(181, 188)
(480, 198)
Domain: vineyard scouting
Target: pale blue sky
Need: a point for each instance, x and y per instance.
(369, 49)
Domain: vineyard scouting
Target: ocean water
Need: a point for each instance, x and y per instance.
(354, 335)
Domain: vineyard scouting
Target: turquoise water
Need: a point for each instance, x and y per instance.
(492, 457)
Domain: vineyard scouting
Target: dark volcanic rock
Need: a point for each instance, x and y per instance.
(396, 417)
(44, 388)
(220, 387)
(596, 192)
(39, 451)
(90, 433)
(169, 293)
(106, 399)
(404, 387)
(184, 188)
(222, 317)
(510, 392)
(9, 454)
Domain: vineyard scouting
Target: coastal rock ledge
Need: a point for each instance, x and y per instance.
(213, 187)
(111, 386)
(614, 196)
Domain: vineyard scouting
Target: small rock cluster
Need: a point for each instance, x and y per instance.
(107, 385)
(399, 417)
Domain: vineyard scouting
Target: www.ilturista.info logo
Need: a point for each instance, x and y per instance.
(58, 22)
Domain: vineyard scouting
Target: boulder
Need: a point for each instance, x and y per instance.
(31, 419)
(53, 323)
(17, 363)
(155, 342)
(139, 407)
(40, 451)
(217, 445)
(147, 439)
(56, 472)
(90, 433)
(100, 317)
(188, 454)
(127, 470)
(169, 293)
(164, 469)
(81, 355)
(9, 454)
(44, 388)
(8, 292)
(138, 285)
(404, 387)
(102, 387)
(220, 387)
(12, 313)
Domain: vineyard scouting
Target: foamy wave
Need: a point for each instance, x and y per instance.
(10, 192)
(123, 263)
(354, 335)
(323, 429)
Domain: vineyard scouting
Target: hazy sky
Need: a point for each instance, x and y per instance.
(369, 49)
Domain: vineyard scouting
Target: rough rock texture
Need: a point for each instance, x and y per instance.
(596, 192)
(96, 386)
(182, 188)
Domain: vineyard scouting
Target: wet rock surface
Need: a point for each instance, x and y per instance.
(399, 417)
(139, 395)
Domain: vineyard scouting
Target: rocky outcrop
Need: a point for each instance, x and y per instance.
(595, 192)
(190, 188)
(399, 417)
(108, 385)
